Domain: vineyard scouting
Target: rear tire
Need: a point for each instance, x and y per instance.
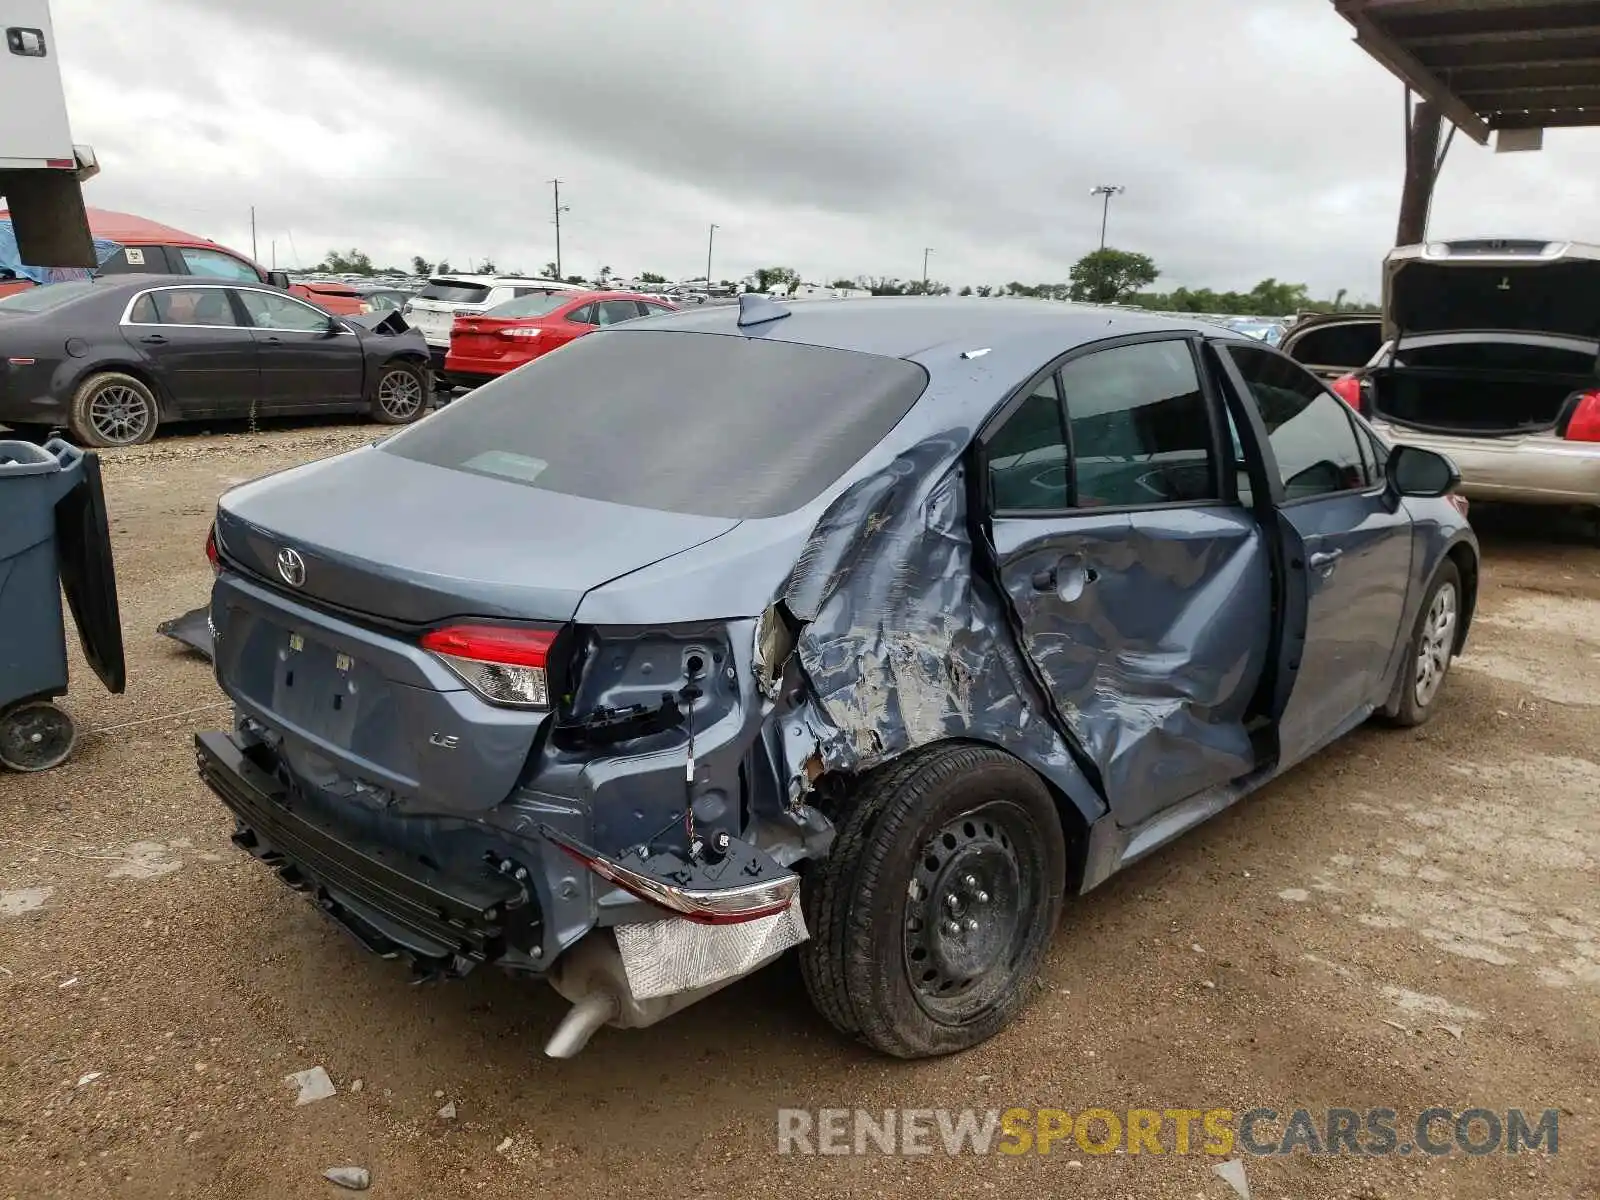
(36, 736)
(399, 393)
(112, 409)
(1431, 649)
(931, 913)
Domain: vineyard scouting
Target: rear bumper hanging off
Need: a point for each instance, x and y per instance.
(392, 904)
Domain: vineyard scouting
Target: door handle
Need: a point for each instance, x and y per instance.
(273, 341)
(1324, 558)
(154, 339)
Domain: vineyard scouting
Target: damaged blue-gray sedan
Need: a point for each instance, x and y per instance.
(873, 627)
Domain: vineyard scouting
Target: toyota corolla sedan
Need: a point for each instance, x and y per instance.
(486, 345)
(880, 628)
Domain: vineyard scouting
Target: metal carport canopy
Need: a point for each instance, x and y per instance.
(1490, 64)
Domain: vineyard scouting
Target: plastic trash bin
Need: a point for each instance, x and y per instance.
(53, 539)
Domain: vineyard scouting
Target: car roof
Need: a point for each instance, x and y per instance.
(923, 326)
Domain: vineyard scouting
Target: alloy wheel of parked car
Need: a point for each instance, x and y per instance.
(932, 911)
(36, 736)
(113, 409)
(400, 395)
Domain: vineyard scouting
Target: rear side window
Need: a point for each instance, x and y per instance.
(1028, 455)
(453, 293)
(1140, 427)
(535, 304)
(184, 306)
(679, 422)
(1349, 345)
(137, 260)
(614, 312)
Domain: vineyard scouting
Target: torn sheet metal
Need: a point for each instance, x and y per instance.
(906, 642)
(193, 629)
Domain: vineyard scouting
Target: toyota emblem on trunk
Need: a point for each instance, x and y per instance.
(292, 567)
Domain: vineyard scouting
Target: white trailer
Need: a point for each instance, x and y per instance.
(41, 170)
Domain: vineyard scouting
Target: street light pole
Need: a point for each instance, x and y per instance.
(560, 208)
(1107, 190)
(710, 240)
(926, 250)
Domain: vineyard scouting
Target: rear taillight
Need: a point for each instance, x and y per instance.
(1348, 389)
(1584, 424)
(503, 664)
(212, 556)
(521, 332)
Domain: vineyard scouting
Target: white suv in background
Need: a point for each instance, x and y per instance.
(433, 310)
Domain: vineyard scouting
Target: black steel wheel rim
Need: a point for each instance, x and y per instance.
(35, 737)
(971, 905)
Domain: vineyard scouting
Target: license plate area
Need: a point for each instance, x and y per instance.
(321, 689)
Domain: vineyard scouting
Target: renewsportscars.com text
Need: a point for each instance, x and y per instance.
(1263, 1132)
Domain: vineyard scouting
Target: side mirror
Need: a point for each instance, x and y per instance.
(335, 327)
(1414, 471)
(278, 279)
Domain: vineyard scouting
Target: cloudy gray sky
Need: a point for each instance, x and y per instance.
(836, 136)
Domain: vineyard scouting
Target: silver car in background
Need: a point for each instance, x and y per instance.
(1492, 357)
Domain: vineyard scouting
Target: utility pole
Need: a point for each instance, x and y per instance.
(560, 208)
(926, 250)
(274, 254)
(710, 241)
(253, 253)
(1107, 190)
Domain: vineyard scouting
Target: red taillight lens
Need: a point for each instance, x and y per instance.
(1584, 424)
(212, 556)
(503, 664)
(1348, 389)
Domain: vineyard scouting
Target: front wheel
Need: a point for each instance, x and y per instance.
(931, 913)
(36, 736)
(1432, 647)
(399, 394)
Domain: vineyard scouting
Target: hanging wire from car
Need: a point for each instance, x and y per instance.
(689, 693)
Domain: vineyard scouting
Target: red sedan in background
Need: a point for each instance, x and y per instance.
(486, 345)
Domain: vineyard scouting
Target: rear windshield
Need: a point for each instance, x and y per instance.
(704, 424)
(454, 293)
(534, 304)
(45, 296)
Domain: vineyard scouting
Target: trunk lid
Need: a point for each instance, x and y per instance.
(411, 543)
(479, 337)
(1528, 291)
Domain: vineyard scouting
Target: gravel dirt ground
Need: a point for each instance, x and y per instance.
(1322, 944)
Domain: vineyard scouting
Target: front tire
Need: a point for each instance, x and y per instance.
(36, 736)
(1431, 649)
(399, 393)
(931, 913)
(112, 409)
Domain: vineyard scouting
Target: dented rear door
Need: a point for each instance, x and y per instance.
(1140, 586)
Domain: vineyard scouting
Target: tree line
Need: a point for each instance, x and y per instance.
(1108, 276)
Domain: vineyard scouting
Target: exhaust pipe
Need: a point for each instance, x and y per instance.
(583, 1019)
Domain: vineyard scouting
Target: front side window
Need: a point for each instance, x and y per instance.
(217, 265)
(269, 311)
(1140, 427)
(1028, 455)
(184, 306)
(1312, 434)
